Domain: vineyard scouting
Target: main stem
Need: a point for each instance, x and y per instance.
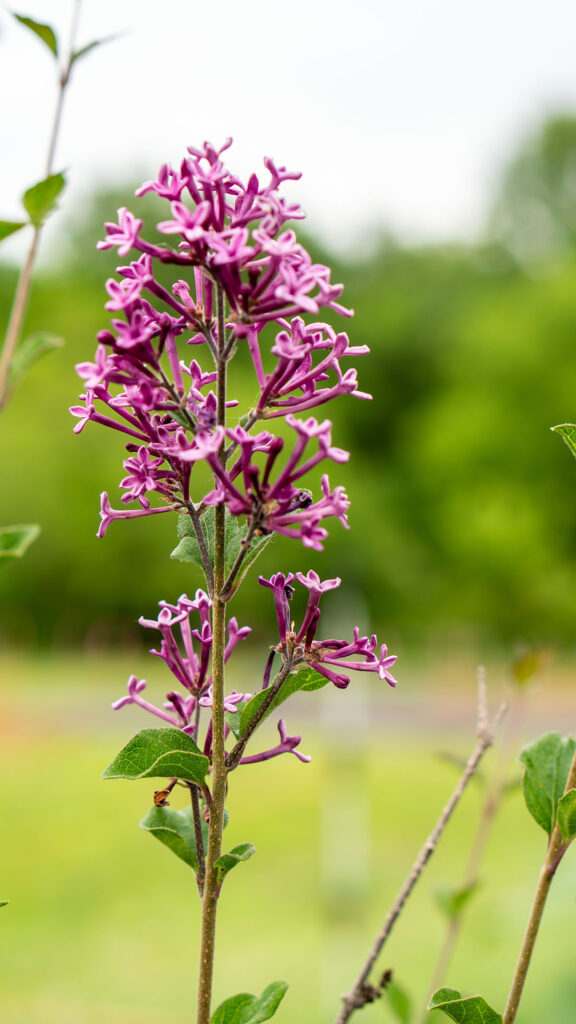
(211, 885)
(556, 849)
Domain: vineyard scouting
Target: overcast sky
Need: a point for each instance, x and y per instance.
(398, 113)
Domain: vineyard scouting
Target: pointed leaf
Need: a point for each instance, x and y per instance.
(567, 815)
(40, 199)
(15, 540)
(30, 351)
(4, 903)
(305, 679)
(472, 1010)
(84, 50)
(248, 1009)
(227, 861)
(175, 829)
(547, 763)
(453, 901)
(188, 550)
(10, 227)
(44, 32)
(159, 753)
(399, 1002)
(567, 432)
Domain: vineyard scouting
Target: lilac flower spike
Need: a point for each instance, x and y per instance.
(287, 745)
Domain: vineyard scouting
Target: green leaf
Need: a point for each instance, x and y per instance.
(306, 679)
(40, 199)
(473, 1010)
(233, 719)
(30, 351)
(227, 861)
(567, 815)
(257, 546)
(188, 550)
(4, 903)
(10, 227)
(159, 753)
(44, 32)
(175, 829)
(15, 540)
(248, 1009)
(399, 1002)
(84, 50)
(546, 762)
(453, 901)
(567, 432)
(528, 663)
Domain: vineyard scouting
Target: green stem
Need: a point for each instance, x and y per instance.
(216, 825)
(20, 303)
(556, 850)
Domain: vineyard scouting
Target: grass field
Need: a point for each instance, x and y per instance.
(102, 922)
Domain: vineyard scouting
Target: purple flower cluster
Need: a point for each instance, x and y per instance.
(232, 241)
(188, 656)
(325, 656)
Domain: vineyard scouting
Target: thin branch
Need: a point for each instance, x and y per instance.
(200, 537)
(355, 999)
(20, 303)
(198, 837)
(556, 849)
(233, 758)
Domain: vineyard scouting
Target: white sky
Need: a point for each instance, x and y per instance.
(398, 113)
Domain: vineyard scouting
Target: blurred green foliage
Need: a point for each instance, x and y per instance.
(463, 513)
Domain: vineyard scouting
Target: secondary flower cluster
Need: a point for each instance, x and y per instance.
(232, 241)
(188, 656)
(325, 656)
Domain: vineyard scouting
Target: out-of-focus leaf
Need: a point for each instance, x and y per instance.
(44, 32)
(472, 1010)
(159, 753)
(528, 663)
(399, 1002)
(40, 199)
(30, 351)
(453, 901)
(547, 763)
(175, 829)
(306, 679)
(15, 540)
(567, 815)
(10, 227)
(248, 1009)
(84, 50)
(227, 861)
(4, 903)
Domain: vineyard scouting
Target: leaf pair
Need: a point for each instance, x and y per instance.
(48, 36)
(170, 753)
(188, 549)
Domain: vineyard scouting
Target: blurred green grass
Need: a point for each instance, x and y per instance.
(102, 922)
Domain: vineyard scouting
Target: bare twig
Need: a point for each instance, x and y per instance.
(355, 998)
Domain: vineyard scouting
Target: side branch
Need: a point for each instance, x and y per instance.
(200, 537)
(355, 999)
(233, 758)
